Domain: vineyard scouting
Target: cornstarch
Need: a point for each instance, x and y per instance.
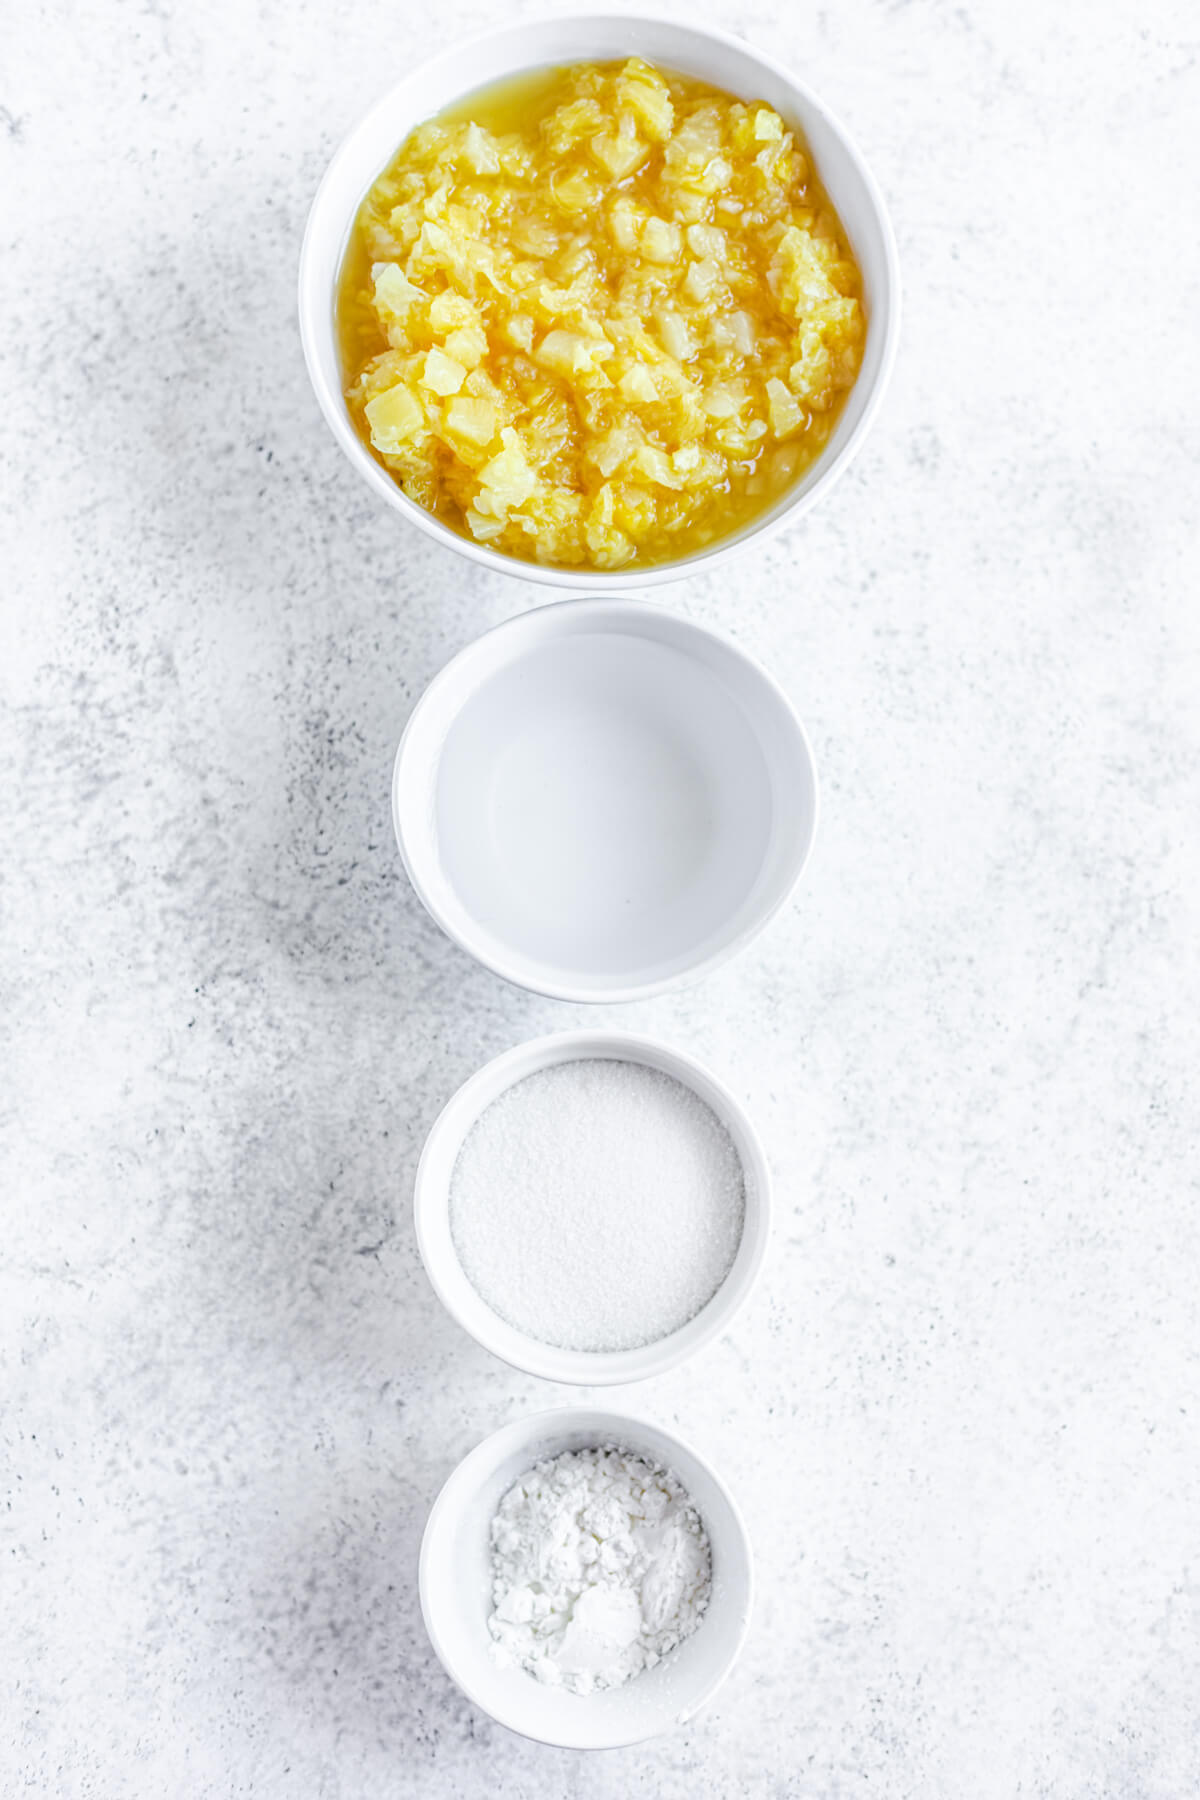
(597, 1205)
(600, 1566)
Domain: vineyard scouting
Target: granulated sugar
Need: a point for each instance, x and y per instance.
(597, 1205)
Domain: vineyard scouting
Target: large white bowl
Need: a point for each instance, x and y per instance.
(603, 800)
(710, 55)
(455, 1585)
(463, 1301)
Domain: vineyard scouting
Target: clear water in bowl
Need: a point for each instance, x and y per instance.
(603, 804)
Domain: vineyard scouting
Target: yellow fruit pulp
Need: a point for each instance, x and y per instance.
(600, 316)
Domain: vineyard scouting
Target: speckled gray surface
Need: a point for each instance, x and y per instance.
(961, 1414)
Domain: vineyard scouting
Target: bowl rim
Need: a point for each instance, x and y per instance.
(316, 318)
(568, 617)
(596, 1368)
(563, 1420)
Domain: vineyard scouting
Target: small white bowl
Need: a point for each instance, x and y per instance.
(711, 55)
(463, 1301)
(603, 800)
(455, 1586)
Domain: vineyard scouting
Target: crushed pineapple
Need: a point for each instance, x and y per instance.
(600, 316)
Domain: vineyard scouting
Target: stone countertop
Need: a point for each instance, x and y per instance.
(961, 1412)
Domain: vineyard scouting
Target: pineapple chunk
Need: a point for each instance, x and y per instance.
(811, 377)
(517, 332)
(608, 543)
(394, 292)
(719, 403)
(635, 510)
(442, 373)
(398, 304)
(434, 247)
(623, 224)
(507, 480)
(481, 386)
(802, 272)
(702, 280)
(787, 415)
(396, 417)
(707, 241)
(480, 151)
(660, 241)
(468, 345)
(619, 446)
(482, 529)
(620, 152)
(643, 90)
(694, 143)
(575, 190)
(655, 465)
(536, 237)
(518, 329)
(677, 339)
(737, 331)
(571, 123)
(475, 420)
(567, 353)
(638, 386)
(450, 311)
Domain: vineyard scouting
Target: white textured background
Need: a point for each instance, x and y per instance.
(962, 1412)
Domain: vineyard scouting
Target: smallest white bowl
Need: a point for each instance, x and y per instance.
(455, 1587)
(600, 800)
(463, 1301)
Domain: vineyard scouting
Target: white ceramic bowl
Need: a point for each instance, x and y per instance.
(603, 800)
(431, 1211)
(455, 1584)
(714, 56)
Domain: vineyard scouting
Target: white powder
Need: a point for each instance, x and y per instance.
(600, 1567)
(597, 1205)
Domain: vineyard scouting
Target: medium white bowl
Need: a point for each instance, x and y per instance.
(463, 1301)
(714, 56)
(603, 800)
(455, 1586)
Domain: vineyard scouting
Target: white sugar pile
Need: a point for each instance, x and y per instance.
(597, 1205)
